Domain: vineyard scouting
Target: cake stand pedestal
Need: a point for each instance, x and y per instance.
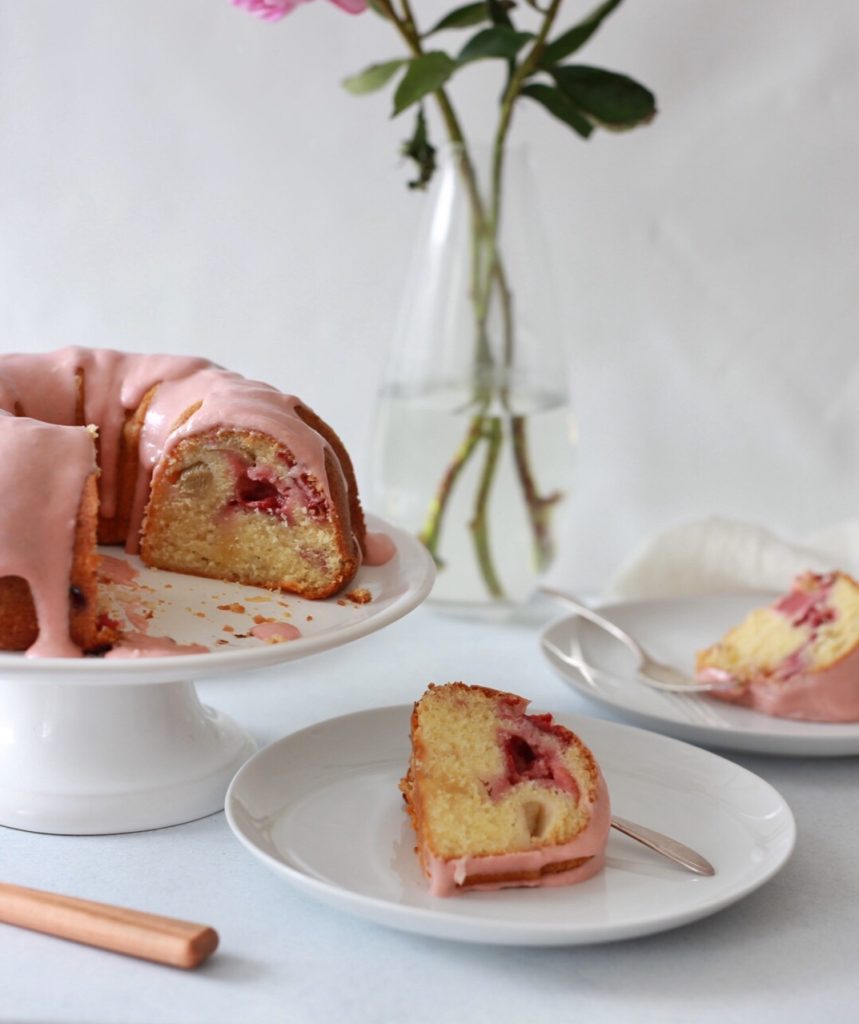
(81, 759)
(98, 745)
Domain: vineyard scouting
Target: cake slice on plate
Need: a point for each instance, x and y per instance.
(498, 797)
(798, 658)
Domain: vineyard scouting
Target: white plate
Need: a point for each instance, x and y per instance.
(672, 630)
(322, 810)
(218, 615)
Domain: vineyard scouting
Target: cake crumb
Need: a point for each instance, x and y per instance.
(228, 629)
(308, 618)
(239, 609)
(259, 619)
(359, 596)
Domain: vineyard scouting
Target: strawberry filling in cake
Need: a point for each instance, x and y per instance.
(501, 798)
(797, 658)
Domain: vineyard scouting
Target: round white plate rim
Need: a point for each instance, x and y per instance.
(418, 579)
(816, 739)
(431, 922)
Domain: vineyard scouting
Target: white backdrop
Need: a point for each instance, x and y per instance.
(179, 176)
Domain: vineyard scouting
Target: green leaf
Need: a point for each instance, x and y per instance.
(425, 74)
(372, 78)
(498, 41)
(577, 36)
(606, 98)
(498, 12)
(419, 149)
(462, 17)
(560, 106)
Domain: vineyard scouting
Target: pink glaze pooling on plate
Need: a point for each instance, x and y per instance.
(115, 570)
(378, 548)
(139, 645)
(275, 632)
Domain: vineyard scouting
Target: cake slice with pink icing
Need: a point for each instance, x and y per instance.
(797, 658)
(498, 797)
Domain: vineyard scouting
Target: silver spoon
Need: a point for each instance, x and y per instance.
(651, 671)
(665, 845)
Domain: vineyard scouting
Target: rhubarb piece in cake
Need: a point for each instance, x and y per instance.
(798, 658)
(498, 797)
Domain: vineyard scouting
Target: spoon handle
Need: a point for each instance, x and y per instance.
(165, 940)
(665, 845)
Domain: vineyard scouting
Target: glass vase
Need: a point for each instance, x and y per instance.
(474, 439)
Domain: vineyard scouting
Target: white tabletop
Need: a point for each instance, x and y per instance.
(781, 954)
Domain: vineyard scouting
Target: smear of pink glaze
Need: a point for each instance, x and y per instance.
(136, 615)
(138, 645)
(275, 632)
(378, 548)
(114, 570)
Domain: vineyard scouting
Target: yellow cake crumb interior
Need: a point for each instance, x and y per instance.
(193, 529)
(766, 638)
(461, 756)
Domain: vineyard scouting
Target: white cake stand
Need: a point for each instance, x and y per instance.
(93, 746)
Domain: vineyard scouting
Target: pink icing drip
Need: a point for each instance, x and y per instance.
(37, 528)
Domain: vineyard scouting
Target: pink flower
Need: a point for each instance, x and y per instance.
(274, 10)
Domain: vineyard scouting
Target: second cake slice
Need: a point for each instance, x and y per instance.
(499, 797)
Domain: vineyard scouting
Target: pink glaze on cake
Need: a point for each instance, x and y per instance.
(44, 392)
(447, 877)
(829, 695)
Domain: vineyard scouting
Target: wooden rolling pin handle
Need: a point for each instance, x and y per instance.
(133, 932)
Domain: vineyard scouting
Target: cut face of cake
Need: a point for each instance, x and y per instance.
(498, 797)
(798, 658)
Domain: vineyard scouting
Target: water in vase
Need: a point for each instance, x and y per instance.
(418, 435)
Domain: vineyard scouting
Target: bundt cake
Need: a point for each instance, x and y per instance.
(798, 658)
(202, 471)
(498, 797)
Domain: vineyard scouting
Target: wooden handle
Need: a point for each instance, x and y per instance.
(133, 932)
